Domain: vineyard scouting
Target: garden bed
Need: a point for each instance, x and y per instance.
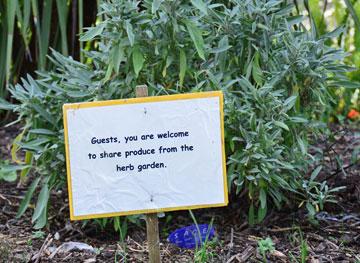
(335, 237)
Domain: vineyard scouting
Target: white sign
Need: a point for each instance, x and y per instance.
(145, 155)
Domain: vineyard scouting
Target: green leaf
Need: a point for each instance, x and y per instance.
(251, 215)
(41, 202)
(10, 20)
(117, 223)
(232, 145)
(23, 21)
(42, 131)
(261, 214)
(315, 173)
(280, 181)
(182, 67)
(294, 20)
(281, 125)
(304, 250)
(196, 36)
(35, 11)
(123, 229)
(220, 49)
(302, 145)
(118, 55)
(298, 120)
(222, 46)
(345, 84)
(262, 197)
(253, 122)
(93, 32)
(81, 27)
(129, 32)
(43, 113)
(46, 27)
(199, 4)
(290, 102)
(28, 161)
(155, 5)
(12, 168)
(41, 221)
(353, 13)
(310, 208)
(109, 71)
(138, 60)
(169, 60)
(4, 105)
(335, 33)
(34, 144)
(62, 8)
(256, 70)
(8, 176)
(26, 201)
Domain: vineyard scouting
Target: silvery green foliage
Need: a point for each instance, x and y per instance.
(274, 74)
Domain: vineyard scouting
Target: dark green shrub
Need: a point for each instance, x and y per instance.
(275, 75)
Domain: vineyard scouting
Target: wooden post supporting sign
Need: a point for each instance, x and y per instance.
(152, 224)
(152, 232)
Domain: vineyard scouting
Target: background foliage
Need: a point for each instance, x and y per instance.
(28, 28)
(277, 70)
(327, 15)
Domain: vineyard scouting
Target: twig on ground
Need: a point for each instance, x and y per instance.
(55, 252)
(5, 199)
(340, 170)
(246, 254)
(231, 244)
(45, 245)
(233, 257)
(65, 258)
(284, 229)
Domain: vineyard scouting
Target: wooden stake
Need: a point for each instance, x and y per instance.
(152, 223)
(152, 232)
(141, 91)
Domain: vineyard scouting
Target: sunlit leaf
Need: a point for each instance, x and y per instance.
(138, 60)
(196, 36)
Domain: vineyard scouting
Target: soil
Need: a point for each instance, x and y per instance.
(334, 235)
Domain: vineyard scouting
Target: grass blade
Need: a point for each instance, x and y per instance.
(98, 3)
(353, 14)
(26, 201)
(11, 10)
(63, 10)
(2, 50)
(35, 9)
(81, 26)
(45, 28)
(23, 18)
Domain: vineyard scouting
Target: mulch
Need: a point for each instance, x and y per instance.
(333, 237)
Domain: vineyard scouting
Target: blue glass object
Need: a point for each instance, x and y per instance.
(188, 237)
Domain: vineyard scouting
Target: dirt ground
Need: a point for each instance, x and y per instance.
(334, 237)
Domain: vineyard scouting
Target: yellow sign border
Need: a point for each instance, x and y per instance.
(83, 105)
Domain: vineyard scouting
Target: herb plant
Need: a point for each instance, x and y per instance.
(274, 72)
